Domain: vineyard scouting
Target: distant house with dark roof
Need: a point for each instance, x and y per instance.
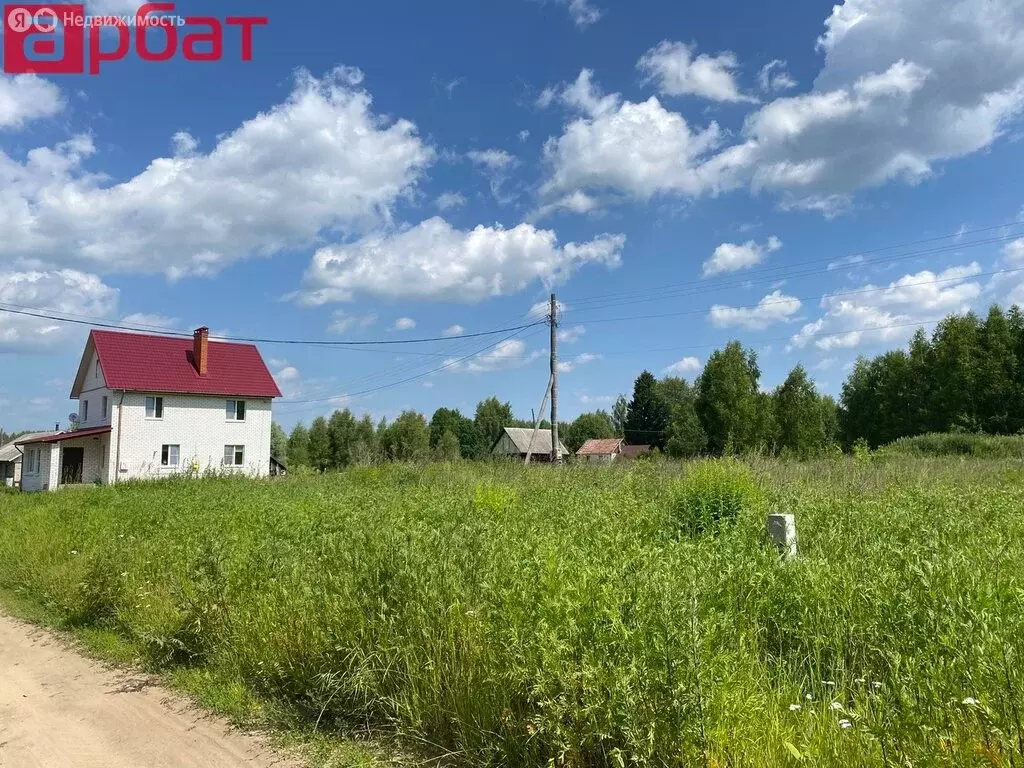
(633, 451)
(515, 443)
(600, 451)
(151, 406)
(11, 459)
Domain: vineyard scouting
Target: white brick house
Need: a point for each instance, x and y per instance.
(153, 406)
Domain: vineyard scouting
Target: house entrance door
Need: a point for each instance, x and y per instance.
(71, 466)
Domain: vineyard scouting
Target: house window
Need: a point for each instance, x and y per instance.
(29, 459)
(85, 410)
(235, 410)
(105, 405)
(234, 455)
(97, 370)
(154, 407)
(169, 455)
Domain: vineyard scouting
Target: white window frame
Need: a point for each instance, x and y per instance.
(165, 449)
(234, 451)
(231, 408)
(158, 408)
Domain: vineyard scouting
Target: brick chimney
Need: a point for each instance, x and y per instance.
(201, 350)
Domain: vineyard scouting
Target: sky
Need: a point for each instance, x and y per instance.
(814, 181)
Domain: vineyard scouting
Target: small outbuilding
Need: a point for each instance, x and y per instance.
(515, 443)
(11, 459)
(600, 451)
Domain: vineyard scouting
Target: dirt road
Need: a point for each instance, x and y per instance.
(61, 710)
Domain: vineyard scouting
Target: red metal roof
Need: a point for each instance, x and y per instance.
(60, 437)
(599, 447)
(144, 363)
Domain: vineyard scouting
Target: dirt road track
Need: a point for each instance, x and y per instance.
(61, 710)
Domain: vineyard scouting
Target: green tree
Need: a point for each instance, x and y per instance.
(491, 417)
(448, 448)
(727, 399)
(342, 429)
(686, 436)
(586, 426)
(407, 438)
(464, 429)
(319, 444)
(620, 413)
(364, 442)
(799, 415)
(278, 442)
(298, 446)
(996, 374)
(647, 422)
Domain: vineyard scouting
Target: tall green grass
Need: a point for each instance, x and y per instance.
(581, 617)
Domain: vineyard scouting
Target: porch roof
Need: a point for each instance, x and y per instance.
(60, 437)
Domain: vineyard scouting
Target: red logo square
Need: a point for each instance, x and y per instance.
(44, 39)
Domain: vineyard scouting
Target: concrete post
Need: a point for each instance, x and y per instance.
(782, 532)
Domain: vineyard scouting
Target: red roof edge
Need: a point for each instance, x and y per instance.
(62, 436)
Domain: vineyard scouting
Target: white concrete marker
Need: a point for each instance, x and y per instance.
(782, 532)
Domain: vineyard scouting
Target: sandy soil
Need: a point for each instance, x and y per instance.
(59, 709)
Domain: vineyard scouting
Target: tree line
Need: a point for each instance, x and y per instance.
(967, 377)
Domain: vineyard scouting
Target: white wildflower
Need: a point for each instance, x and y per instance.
(836, 706)
(74, 551)
(794, 707)
(829, 683)
(970, 701)
(844, 724)
(859, 681)
(809, 697)
(876, 685)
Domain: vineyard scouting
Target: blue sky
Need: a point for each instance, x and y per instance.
(402, 170)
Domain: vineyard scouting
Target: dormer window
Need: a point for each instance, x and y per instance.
(96, 369)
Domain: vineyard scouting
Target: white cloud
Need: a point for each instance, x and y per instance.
(437, 262)
(404, 324)
(568, 366)
(64, 291)
(675, 71)
(454, 330)
(776, 307)
(543, 309)
(1013, 252)
(449, 200)
(640, 149)
(684, 366)
(495, 164)
(320, 161)
(571, 335)
(826, 364)
(342, 322)
(730, 257)
(582, 13)
(24, 98)
(524, 135)
(846, 261)
(873, 315)
(492, 159)
(510, 353)
(906, 84)
(774, 77)
(597, 399)
(144, 320)
(288, 378)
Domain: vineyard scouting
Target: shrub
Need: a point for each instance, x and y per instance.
(712, 494)
(958, 444)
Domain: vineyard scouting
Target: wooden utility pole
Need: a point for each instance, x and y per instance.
(556, 455)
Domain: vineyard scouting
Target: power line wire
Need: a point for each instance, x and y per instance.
(50, 314)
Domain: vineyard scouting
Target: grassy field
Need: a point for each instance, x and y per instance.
(524, 617)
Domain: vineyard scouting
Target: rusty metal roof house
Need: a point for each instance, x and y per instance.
(601, 450)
